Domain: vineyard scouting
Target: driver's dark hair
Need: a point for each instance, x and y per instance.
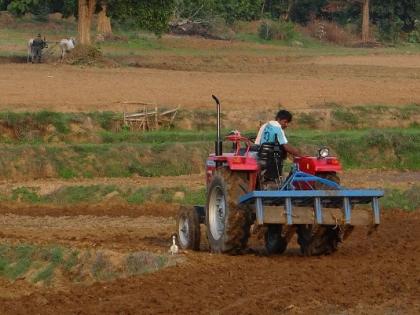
(284, 114)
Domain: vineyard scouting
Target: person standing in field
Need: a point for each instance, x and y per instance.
(37, 46)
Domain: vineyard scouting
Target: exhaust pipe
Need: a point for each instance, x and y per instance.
(218, 143)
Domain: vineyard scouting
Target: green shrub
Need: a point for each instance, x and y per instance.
(66, 173)
(71, 261)
(102, 267)
(75, 194)
(219, 29)
(414, 37)
(345, 116)
(195, 197)
(379, 138)
(17, 260)
(390, 29)
(25, 194)
(58, 120)
(307, 120)
(273, 30)
(408, 200)
(45, 274)
(140, 196)
(105, 119)
(142, 262)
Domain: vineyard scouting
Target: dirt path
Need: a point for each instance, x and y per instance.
(394, 61)
(375, 275)
(84, 231)
(49, 185)
(292, 84)
(350, 178)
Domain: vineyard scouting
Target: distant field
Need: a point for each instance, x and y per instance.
(245, 72)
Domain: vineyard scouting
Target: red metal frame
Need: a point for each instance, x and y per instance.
(314, 165)
(247, 163)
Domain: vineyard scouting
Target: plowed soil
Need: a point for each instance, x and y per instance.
(376, 274)
(370, 274)
(242, 83)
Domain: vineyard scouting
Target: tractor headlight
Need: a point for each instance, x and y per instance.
(323, 152)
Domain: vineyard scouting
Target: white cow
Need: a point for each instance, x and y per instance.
(30, 52)
(66, 45)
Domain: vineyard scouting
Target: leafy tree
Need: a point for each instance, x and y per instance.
(66, 7)
(194, 9)
(20, 7)
(303, 11)
(41, 11)
(148, 14)
(152, 15)
(393, 16)
(4, 4)
(39, 8)
(229, 10)
(245, 10)
(390, 16)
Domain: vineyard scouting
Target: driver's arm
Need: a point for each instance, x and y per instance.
(292, 150)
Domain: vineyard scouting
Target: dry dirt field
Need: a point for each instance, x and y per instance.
(376, 274)
(295, 83)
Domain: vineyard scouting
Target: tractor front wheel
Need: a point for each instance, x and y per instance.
(275, 243)
(319, 240)
(227, 222)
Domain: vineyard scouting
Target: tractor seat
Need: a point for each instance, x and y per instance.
(270, 157)
(271, 150)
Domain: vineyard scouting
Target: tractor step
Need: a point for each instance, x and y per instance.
(314, 206)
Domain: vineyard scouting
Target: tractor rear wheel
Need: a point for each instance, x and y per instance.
(319, 240)
(228, 223)
(275, 243)
(188, 228)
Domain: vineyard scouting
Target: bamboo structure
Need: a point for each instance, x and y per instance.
(149, 119)
(104, 22)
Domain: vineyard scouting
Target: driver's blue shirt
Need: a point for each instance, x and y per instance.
(269, 132)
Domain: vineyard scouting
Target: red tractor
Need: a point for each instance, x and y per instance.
(245, 187)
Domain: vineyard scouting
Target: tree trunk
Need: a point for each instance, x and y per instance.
(365, 21)
(86, 10)
(289, 8)
(104, 22)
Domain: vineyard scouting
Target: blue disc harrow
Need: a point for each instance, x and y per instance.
(333, 205)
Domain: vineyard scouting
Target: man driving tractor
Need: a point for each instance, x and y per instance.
(273, 131)
(273, 148)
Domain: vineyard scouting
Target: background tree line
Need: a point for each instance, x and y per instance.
(389, 16)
